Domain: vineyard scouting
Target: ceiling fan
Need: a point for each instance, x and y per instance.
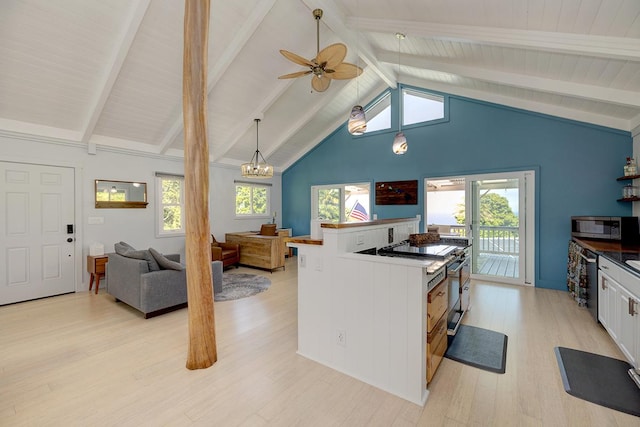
(326, 65)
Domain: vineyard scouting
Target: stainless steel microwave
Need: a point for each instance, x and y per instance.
(620, 228)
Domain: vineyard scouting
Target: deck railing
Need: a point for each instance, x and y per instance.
(493, 240)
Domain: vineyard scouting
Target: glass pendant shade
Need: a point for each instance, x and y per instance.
(257, 168)
(400, 143)
(357, 121)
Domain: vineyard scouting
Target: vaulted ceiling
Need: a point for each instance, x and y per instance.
(107, 74)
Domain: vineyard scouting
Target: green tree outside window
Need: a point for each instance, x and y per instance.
(252, 199)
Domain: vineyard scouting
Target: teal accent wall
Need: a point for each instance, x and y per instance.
(576, 168)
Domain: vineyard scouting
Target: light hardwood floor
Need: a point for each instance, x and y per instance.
(84, 360)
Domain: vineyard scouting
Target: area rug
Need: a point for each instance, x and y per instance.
(598, 379)
(242, 285)
(480, 348)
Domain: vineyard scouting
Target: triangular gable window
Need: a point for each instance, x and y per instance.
(379, 114)
(420, 107)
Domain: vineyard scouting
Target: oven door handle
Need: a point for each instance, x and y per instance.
(589, 260)
(459, 267)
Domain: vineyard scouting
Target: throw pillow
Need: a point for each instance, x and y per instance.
(164, 262)
(128, 251)
(126, 245)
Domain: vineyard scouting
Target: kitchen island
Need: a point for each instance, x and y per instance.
(365, 315)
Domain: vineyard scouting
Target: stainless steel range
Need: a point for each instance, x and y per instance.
(436, 250)
(438, 253)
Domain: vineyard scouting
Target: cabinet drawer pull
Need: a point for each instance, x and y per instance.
(604, 284)
(632, 308)
(604, 267)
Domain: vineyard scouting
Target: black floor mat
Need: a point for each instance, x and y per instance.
(479, 347)
(599, 379)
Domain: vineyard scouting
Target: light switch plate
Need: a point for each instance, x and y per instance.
(93, 220)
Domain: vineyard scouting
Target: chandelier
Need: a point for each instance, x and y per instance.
(256, 168)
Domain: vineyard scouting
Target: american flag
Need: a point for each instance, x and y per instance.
(359, 212)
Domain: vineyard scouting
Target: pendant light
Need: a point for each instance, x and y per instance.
(255, 168)
(400, 141)
(357, 121)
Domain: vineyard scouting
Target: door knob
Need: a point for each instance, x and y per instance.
(70, 239)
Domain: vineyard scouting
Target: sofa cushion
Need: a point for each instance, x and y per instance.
(164, 262)
(128, 251)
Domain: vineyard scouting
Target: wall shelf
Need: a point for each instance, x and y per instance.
(630, 199)
(627, 177)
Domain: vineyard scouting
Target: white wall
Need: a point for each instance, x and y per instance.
(135, 226)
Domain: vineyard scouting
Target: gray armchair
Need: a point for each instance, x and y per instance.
(152, 292)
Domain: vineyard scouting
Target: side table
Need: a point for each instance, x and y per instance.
(96, 265)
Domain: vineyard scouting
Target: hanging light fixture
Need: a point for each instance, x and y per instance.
(400, 141)
(255, 168)
(357, 121)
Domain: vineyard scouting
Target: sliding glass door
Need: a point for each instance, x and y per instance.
(496, 212)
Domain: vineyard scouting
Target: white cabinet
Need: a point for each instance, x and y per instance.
(618, 307)
(628, 322)
(607, 300)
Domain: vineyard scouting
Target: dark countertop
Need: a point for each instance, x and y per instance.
(614, 251)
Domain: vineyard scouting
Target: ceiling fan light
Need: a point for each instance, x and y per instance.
(357, 121)
(399, 143)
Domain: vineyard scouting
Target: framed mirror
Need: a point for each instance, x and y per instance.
(120, 194)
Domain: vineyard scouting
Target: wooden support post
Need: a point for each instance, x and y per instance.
(202, 336)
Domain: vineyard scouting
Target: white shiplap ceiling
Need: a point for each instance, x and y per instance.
(108, 73)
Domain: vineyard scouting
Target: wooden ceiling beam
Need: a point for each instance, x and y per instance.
(113, 67)
(558, 87)
(622, 48)
(244, 33)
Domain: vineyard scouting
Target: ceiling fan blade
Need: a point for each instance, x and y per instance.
(332, 55)
(345, 71)
(294, 75)
(296, 58)
(320, 84)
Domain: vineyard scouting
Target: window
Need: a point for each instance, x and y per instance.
(341, 202)
(252, 200)
(113, 195)
(170, 214)
(379, 114)
(420, 107)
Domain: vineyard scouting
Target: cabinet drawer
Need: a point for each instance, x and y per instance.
(100, 265)
(437, 300)
(436, 346)
(609, 267)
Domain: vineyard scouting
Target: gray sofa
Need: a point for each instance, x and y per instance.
(152, 292)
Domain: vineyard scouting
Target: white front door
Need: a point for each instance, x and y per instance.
(37, 257)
